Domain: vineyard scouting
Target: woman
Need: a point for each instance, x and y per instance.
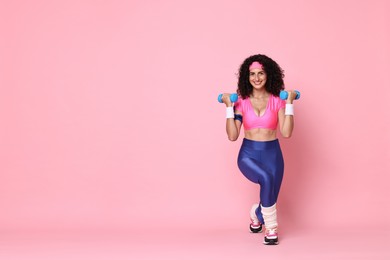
(260, 110)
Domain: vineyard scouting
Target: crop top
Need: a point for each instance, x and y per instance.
(268, 120)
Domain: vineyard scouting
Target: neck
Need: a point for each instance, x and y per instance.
(259, 93)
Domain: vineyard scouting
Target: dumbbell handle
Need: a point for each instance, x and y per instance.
(284, 94)
(233, 97)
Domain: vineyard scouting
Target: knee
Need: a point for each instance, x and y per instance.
(268, 182)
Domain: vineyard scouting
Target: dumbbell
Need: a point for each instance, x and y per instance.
(284, 94)
(233, 97)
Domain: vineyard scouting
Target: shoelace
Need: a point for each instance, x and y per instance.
(272, 232)
(255, 222)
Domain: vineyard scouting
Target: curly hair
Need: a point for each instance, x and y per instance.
(275, 75)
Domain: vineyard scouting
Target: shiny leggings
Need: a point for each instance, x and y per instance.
(262, 163)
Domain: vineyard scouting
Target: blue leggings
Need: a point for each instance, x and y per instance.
(262, 163)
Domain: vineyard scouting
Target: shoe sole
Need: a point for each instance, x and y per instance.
(255, 230)
(271, 242)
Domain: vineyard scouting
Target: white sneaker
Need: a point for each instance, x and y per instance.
(271, 237)
(255, 226)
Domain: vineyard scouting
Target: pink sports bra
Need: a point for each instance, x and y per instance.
(268, 120)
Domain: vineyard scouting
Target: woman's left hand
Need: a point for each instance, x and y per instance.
(291, 96)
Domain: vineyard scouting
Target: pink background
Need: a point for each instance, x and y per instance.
(109, 118)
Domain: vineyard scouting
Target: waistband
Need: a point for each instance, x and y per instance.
(260, 145)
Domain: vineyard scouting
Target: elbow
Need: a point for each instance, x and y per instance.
(232, 138)
(287, 135)
(287, 131)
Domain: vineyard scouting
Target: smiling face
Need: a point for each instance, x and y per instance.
(257, 78)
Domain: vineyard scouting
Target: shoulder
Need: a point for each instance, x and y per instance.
(240, 104)
(242, 101)
(278, 102)
(239, 100)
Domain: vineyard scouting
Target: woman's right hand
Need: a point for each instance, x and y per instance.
(226, 99)
(291, 96)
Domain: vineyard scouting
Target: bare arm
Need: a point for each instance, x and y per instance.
(286, 122)
(232, 126)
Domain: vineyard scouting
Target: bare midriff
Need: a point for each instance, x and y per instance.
(260, 134)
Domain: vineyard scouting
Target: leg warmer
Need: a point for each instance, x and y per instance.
(270, 218)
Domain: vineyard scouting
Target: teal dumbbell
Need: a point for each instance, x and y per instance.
(284, 94)
(233, 97)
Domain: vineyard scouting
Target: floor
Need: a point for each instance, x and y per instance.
(191, 244)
